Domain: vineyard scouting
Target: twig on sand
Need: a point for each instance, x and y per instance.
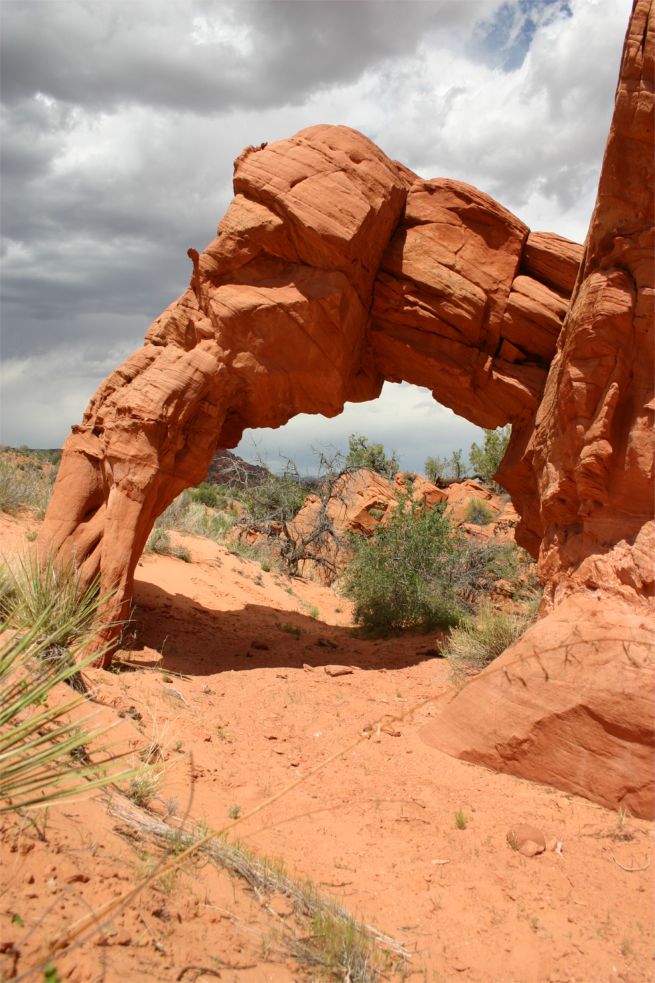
(630, 870)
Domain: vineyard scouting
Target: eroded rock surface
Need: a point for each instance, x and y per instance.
(323, 230)
(335, 268)
(573, 701)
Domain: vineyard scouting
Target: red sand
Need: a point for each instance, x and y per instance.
(252, 710)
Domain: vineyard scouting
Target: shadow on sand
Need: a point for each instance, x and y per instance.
(198, 641)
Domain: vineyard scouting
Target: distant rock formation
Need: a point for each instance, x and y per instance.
(227, 468)
(336, 268)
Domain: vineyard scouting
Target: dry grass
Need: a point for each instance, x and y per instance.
(479, 640)
(322, 934)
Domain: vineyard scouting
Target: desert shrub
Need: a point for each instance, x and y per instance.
(24, 487)
(485, 460)
(478, 512)
(275, 499)
(480, 639)
(363, 454)
(408, 574)
(172, 516)
(181, 553)
(213, 496)
(160, 542)
(507, 561)
(440, 470)
(199, 520)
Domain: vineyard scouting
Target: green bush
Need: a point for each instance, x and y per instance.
(479, 640)
(485, 460)
(159, 541)
(363, 454)
(477, 512)
(409, 573)
(213, 496)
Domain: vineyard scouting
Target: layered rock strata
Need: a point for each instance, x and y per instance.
(335, 268)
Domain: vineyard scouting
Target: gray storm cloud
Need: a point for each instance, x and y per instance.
(120, 123)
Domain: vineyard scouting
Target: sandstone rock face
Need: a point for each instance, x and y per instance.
(276, 321)
(335, 268)
(572, 702)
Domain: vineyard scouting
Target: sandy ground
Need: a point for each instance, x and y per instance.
(248, 681)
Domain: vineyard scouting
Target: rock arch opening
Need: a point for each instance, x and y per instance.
(333, 270)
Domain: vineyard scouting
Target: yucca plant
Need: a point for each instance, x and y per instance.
(47, 615)
(43, 748)
(35, 590)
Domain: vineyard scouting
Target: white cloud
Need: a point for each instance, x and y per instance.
(404, 418)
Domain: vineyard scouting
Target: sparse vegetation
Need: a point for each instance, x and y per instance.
(44, 742)
(291, 629)
(159, 542)
(50, 595)
(143, 786)
(24, 486)
(485, 460)
(441, 470)
(478, 512)
(480, 639)
(461, 821)
(414, 572)
(363, 454)
(324, 937)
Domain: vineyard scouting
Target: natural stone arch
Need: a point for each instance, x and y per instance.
(333, 269)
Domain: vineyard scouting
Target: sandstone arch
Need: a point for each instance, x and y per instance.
(335, 268)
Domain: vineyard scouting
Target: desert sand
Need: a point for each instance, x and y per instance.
(246, 693)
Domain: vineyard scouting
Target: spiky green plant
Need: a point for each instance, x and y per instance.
(44, 741)
(53, 595)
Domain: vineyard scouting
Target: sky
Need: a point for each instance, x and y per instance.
(121, 119)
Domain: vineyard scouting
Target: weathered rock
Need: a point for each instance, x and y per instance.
(336, 268)
(572, 702)
(442, 298)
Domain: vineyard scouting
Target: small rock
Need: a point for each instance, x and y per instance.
(338, 670)
(526, 840)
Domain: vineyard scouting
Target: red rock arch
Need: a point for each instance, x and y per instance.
(333, 269)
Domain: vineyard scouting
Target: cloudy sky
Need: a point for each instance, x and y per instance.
(121, 119)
